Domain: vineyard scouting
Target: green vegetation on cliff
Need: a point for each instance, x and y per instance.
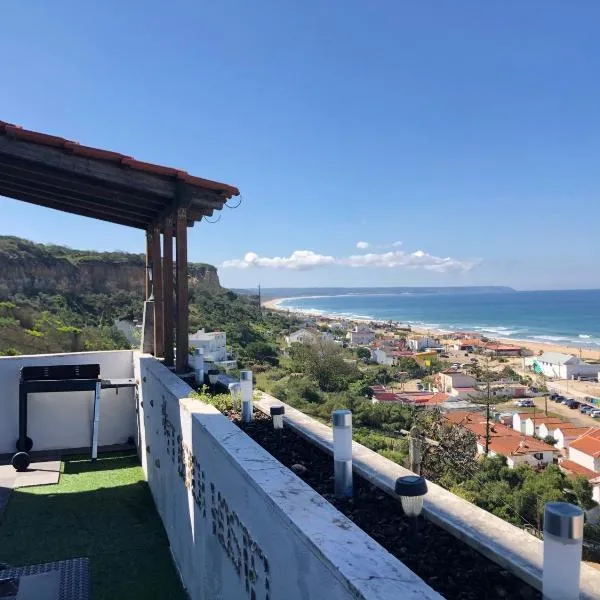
(56, 299)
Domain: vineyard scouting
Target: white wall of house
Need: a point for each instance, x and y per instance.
(63, 420)
(213, 343)
(596, 493)
(381, 357)
(418, 344)
(533, 459)
(543, 431)
(226, 487)
(519, 423)
(455, 380)
(573, 367)
(585, 460)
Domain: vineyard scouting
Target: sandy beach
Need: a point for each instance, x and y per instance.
(535, 347)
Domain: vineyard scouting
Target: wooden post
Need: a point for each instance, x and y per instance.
(148, 262)
(157, 280)
(168, 287)
(182, 291)
(414, 450)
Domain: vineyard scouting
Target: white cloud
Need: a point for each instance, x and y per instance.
(307, 259)
(299, 259)
(397, 244)
(362, 245)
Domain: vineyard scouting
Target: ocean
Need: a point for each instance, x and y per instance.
(566, 317)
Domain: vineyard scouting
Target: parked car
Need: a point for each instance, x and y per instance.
(559, 398)
(595, 413)
(566, 401)
(585, 409)
(524, 403)
(553, 396)
(574, 404)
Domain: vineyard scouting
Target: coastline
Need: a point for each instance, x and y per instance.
(535, 347)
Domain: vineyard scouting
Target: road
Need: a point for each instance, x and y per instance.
(575, 389)
(564, 411)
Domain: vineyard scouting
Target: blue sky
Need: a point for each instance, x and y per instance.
(467, 130)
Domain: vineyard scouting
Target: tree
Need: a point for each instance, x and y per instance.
(323, 361)
(550, 440)
(363, 353)
(583, 492)
(261, 352)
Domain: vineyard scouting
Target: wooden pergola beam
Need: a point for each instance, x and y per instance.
(33, 173)
(65, 206)
(157, 277)
(126, 211)
(73, 165)
(168, 291)
(182, 339)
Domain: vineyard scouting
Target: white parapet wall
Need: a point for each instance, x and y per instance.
(241, 525)
(63, 420)
(511, 547)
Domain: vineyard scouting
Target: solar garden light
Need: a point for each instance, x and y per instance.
(342, 453)
(277, 413)
(246, 394)
(412, 490)
(235, 390)
(563, 540)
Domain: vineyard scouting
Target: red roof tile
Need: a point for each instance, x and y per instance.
(577, 469)
(16, 132)
(588, 443)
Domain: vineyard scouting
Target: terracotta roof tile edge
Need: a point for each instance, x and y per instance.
(53, 141)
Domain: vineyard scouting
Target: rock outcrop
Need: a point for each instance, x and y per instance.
(30, 268)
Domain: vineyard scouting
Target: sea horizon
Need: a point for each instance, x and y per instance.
(561, 317)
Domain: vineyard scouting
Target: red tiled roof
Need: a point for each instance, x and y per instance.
(547, 420)
(588, 443)
(385, 396)
(438, 398)
(511, 446)
(577, 469)
(464, 416)
(502, 347)
(571, 432)
(70, 147)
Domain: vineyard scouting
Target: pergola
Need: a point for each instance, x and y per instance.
(56, 173)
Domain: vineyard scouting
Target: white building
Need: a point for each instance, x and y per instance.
(212, 343)
(519, 451)
(455, 382)
(567, 433)
(519, 420)
(361, 335)
(541, 426)
(557, 365)
(418, 344)
(381, 357)
(585, 452)
(307, 336)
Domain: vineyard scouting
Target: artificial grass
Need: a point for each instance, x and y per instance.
(101, 510)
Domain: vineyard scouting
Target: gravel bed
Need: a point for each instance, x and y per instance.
(449, 566)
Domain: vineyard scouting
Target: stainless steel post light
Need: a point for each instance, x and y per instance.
(342, 453)
(246, 393)
(563, 541)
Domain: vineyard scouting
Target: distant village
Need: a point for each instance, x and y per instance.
(520, 427)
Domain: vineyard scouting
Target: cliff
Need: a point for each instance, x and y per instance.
(30, 268)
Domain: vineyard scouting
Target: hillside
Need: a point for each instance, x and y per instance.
(30, 268)
(56, 299)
